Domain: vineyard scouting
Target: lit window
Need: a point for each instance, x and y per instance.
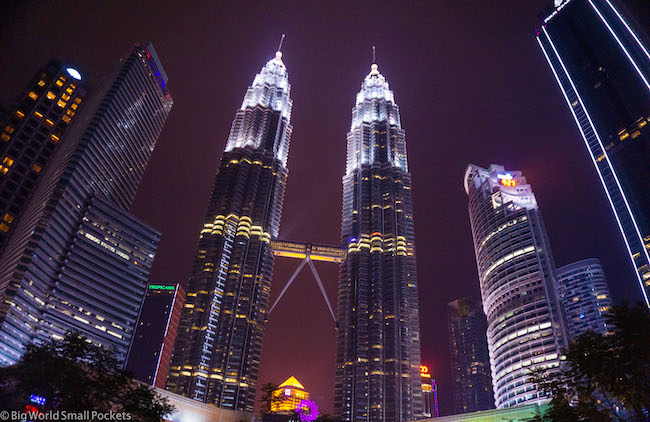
(65, 97)
(66, 119)
(636, 134)
(62, 79)
(4, 227)
(37, 168)
(74, 106)
(54, 138)
(73, 86)
(61, 103)
(38, 114)
(59, 83)
(50, 95)
(33, 95)
(49, 122)
(9, 129)
(5, 137)
(601, 297)
(41, 82)
(77, 100)
(8, 218)
(69, 91)
(8, 161)
(20, 114)
(70, 113)
(624, 136)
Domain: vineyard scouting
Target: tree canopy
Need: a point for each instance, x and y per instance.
(74, 375)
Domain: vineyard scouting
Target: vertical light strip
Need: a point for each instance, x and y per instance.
(629, 29)
(620, 44)
(584, 137)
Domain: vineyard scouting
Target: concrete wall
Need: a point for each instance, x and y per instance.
(188, 410)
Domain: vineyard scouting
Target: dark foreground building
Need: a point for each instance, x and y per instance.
(77, 259)
(470, 361)
(31, 133)
(217, 351)
(153, 342)
(378, 352)
(601, 60)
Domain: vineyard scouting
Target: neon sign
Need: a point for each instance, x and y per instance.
(424, 369)
(508, 182)
(161, 287)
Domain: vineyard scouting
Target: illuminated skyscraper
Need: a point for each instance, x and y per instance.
(601, 59)
(153, 341)
(518, 282)
(470, 361)
(77, 259)
(585, 297)
(30, 135)
(378, 354)
(217, 351)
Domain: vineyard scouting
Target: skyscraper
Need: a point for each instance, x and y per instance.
(31, 134)
(518, 282)
(153, 343)
(601, 60)
(470, 361)
(585, 297)
(378, 352)
(77, 260)
(217, 351)
(429, 393)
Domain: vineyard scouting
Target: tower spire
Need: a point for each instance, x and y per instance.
(281, 41)
(374, 57)
(374, 69)
(278, 54)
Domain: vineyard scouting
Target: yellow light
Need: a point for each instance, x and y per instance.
(33, 95)
(54, 138)
(50, 95)
(509, 182)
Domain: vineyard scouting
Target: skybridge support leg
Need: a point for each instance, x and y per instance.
(293, 277)
(322, 289)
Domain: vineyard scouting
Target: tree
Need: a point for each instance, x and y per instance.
(603, 372)
(74, 375)
(269, 399)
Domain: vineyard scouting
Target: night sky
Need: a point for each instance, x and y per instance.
(472, 86)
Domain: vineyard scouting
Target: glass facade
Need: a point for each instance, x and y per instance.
(526, 329)
(30, 134)
(153, 342)
(585, 297)
(378, 351)
(217, 351)
(470, 361)
(83, 197)
(601, 60)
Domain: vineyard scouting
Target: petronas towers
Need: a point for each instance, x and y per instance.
(217, 352)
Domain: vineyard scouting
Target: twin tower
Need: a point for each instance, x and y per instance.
(217, 352)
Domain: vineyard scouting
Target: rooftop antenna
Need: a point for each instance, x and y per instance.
(374, 58)
(281, 41)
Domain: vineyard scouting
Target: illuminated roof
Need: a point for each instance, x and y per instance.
(292, 382)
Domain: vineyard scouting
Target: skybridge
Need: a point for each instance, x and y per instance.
(307, 252)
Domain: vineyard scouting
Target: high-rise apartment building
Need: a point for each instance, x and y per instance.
(77, 260)
(217, 351)
(153, 343)
(30, 134)
(470, 361)
(429, 393)
(517, 277)
(378, 351)
(601, 59)
(585, 297)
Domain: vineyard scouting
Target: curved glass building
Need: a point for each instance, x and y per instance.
(518, 283)
(585, 297)
(378, 353)
(219, 342)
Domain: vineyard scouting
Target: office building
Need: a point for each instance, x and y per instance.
(217, 351)
(30, 134)
(517, 277)
(600, 58)
(153, 343)
(585, 297)
(429, 393)
(290, 394)
(77, 260)
(378, 350)
(470, 360)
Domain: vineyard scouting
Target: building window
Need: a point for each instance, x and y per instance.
(33, 95)
(50, 95)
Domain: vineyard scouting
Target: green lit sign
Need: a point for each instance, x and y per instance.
(161, 287)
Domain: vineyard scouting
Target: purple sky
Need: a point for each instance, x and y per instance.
(472, 85)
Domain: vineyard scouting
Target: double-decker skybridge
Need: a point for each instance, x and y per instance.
(307, 252)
